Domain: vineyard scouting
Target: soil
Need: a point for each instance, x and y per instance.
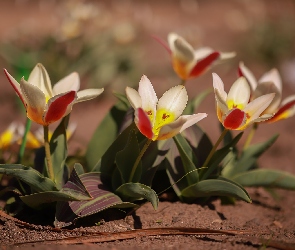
(266, 223)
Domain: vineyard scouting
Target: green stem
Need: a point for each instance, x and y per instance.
(214, 149)
(24, 141)
(47, 154)
(146, 145)
(250, 135)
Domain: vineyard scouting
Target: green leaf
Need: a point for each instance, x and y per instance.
(266, 178)
(187, 158)
(30, 176)
(104, 135)
(106, 165)
(126, 159)
(134, 191)
(248, 158)
(218, 156)
(214, 187)
(58, 150)
(195, 103)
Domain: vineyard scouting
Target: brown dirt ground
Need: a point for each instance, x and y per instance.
(267, 223)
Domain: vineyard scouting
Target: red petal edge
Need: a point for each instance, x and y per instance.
(143, 123)
(240, 72)
(58, 107)
(234, 119)
(282, 110)
(15, 89)
(203, 64)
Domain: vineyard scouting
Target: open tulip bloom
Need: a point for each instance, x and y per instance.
(189, 63)
(234, 110)
(44, 104)
(160, 119)
(270, 82)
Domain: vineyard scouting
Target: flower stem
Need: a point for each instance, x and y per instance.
(183, 82)
(47, 154)
(141, 153)
(213, 151)
(24, 141)
(250, 135)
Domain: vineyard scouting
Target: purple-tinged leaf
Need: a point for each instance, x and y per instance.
(103, 198)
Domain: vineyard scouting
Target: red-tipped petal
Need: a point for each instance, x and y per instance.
(162, 42)
(15, 85)
(143, 123)
(203, 64)
(234, 119)
(279, 115)
(58, 107)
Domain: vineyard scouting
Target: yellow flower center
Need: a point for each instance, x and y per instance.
(232, 105)
(163, 117)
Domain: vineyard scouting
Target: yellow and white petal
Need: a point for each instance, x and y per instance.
(133, 97)
(218, 85)
(244, 71)
(286, 110)
(239, 94)
(15, 85)
(70, 82)
(40, 78)
(255, 108)
(148, 97)
(272, 76)
(180, 48)
(264, 88)
(174, 100)
(35, 101)
(88, 94)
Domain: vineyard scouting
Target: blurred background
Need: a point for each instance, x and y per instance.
(109, 43)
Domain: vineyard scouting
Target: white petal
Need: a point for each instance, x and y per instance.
(88, 94)
(70, 82)
(202, 53)
(192, 119)
(218, 84)
(15, 85)
(239, 93)
(272, 76)
(263, 118)
(133, 97)
(39, 77)
(255, 108)
(180, 48)
(227, 55)
(264, 88)
(148, 96)
(174, 100)
(288, 99)
(248, 75)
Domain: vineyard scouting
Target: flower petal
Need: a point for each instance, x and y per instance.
(15, 85)
(39, 77)
(239, 94)
(226, 55)
(244, 71)
(143, 123)
(273, 76)
(235, 119)
(255, 108)
(68, 83)
(148, 97)
(182, 123)
(133, 97)
(264, 88)
(35, 101)
(286, 110)
(218, 85)
(180, 48)
(88, 94)
(59, 106)
(202, 65)
(174, 100)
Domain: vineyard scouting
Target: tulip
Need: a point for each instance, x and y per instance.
(189, 63)
(270, 82)
(44, 104)
(235, 110)
(9, 136)
(160, 119)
